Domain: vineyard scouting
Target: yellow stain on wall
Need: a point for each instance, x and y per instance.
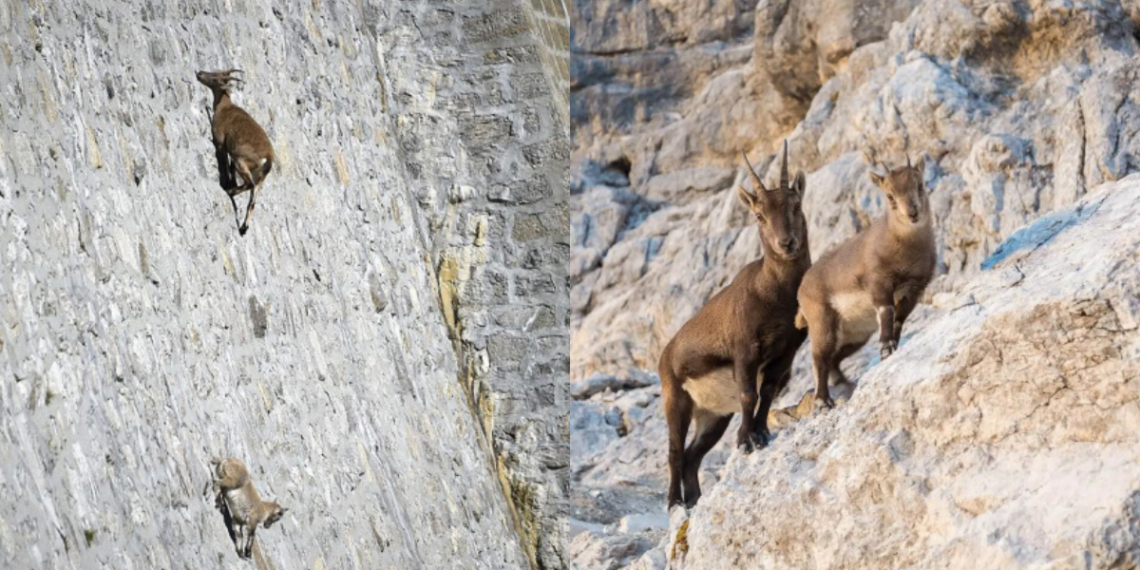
(266, 397)
(282, 157)
(50, 109)
(448, 288)
(93, 153)
(312, 26)
(341, 168)
(481, 231)
(128, 159)
(225, 256)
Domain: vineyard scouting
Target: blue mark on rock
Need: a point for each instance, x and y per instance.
(1039, 233)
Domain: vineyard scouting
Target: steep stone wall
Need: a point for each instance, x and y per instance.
(400, 295)
(487, 150)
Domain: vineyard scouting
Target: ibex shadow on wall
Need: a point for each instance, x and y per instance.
(240, 144)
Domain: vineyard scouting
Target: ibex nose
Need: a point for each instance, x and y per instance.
(786, 243)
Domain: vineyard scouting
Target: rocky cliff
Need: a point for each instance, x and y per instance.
(1022, 108)
(385, 348)
(1004, 434)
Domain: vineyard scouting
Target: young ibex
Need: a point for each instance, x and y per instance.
(709, 369)
(874, 278)
(234, 492)
(240, 144)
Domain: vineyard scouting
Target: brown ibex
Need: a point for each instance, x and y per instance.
(234, 493)
(872, 280)
(240, 144)
(709, 369)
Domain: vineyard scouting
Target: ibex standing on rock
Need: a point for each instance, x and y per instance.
(709, 369)
(240, 144)
(872, 280)
(234, 492)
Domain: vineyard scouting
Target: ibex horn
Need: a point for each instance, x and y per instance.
(784, 167)
(755, 177)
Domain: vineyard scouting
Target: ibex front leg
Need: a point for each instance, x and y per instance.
(883, 297)
(225, 168)
(746, 364)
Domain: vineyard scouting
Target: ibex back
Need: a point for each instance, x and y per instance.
(709, 369)
(240, 144)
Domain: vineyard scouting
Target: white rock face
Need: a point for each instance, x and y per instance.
(1021, 107)
(1003, 434)
(1013, 133)
(140, 335)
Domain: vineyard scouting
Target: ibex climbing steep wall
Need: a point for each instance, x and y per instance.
(386, 347)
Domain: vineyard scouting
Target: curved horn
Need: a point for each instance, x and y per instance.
(752, 171)
(784, 167)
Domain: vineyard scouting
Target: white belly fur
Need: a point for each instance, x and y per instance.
(857, 317)
(715, 392)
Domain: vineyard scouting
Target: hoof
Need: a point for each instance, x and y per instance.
(887, 348)
(761, 438)
(750, 444)
(825, 400)
(244, 228)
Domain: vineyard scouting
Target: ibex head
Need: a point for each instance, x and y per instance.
(275, 513)
(905, 190)
(783, 228)
(220, 80)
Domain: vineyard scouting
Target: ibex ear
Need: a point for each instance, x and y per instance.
(920, 166)
(877, 178)
(744, 196)
(799, 183)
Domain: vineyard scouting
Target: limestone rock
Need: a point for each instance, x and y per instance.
(998, 436)
(1011, 135)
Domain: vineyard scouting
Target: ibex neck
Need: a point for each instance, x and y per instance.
(785, 270)
(221, 99)
(910, 233)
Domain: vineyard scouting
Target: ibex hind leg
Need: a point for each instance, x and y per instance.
(248, 211)
(255, 185)
(678, 414)
(246, 175)
(710, 429)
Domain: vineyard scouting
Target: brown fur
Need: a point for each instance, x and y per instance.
(876, 276)
(709, 369)
(240, 503)
(240, 144)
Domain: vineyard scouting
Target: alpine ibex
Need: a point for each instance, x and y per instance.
(234, 492)
(240, 144)
(873, 279)
(709, 369)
